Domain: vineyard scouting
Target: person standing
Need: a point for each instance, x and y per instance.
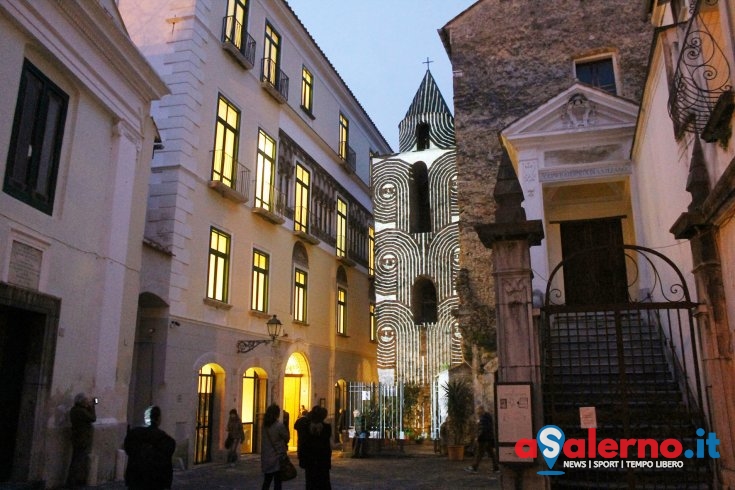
(358, 443)
(235, 436)
(273, 448)
(82, 415)
(316, 452)
(485, 440)
(149, 451)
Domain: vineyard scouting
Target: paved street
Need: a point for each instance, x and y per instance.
(416, 468)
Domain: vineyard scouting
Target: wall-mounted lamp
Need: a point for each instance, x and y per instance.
(274, 327)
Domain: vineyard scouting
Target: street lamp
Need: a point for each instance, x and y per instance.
(274, 327)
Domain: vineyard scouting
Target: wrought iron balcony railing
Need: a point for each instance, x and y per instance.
(348, 155)
(236, 40)
(702, 82)
(269, 202)
(229, 176)
(274, 80)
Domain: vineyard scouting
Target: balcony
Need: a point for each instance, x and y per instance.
(229, 177)
(343, 251)
(348, 156)
(302, 225)
(237, 41)
(269, 203)
(700, 96)
(274, 81)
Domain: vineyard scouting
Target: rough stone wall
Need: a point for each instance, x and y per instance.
(509, 57)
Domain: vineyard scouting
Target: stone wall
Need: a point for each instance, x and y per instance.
(508, 58)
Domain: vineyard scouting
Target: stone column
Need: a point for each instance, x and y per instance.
(510, 238)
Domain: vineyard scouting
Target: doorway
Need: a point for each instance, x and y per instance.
(594, 278)
(254, 392)
(207, 383)
(296, 397)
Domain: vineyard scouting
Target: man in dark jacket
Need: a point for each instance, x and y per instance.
(81, 415)
(485, 440)
(149, 451)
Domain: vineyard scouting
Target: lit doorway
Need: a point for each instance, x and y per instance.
(209, 376)
(296, 387)
(254, 392)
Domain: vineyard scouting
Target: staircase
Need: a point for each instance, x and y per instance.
(617, 361)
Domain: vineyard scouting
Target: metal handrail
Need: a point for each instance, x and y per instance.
(227, 170)
(234, 33)
(273, 76)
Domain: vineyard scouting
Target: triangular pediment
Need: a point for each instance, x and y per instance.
(580, 108)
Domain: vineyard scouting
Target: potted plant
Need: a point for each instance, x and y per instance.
(459, 411)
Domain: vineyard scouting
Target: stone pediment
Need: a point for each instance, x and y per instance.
(579, 108)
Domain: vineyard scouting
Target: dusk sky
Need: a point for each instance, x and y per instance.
(378, 47)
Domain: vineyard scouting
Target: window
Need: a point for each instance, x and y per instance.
(300, 295)
(259, 300)
(423, 131)
(344, 136)
(307, 90)
(264, 171)
(219, 265)
(341, 228)
(420, 208)
(424, 301)
(236, 23)
(226, 138)
(35, 143)
(598, 73)
(371, 251)
(373, 324)
(271, 55)
(341, 311)
(301, 200)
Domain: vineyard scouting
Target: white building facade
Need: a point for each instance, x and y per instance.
(259, 206)
(75, 139)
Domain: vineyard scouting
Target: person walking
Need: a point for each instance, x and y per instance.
(316, 452)
(235, 436)
(485, 440)
(149, 451)
(274, 447)
(82, 415)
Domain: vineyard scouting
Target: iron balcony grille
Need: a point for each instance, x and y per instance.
(237, 40)
(228, 173)
(274, 80)
(702, 76)
(348, 155)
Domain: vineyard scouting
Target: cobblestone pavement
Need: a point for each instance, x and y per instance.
(417, 467)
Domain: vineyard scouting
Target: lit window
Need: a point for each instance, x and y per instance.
(300, 295)
(259, 301)
(271, 55)
(219, 265)
(35, 144)
(264, 172)
(301, 200)
(341, 311)
(598, 73)
(307, 89)
(344, 136)
(236, 23)
(373, 324)
(225, 143)
(341, 228)
(371, 251)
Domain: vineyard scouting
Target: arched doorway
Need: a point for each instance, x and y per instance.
(296, 391)
(254, 400)
(209, 382)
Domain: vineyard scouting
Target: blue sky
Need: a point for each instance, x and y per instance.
(378, 47)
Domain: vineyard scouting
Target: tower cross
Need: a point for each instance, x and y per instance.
(427, 63)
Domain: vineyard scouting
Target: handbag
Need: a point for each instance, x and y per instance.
(228, 442)
(286, 470)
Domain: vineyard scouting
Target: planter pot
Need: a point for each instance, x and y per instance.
(455, 452)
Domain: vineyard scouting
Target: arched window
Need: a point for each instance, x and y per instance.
(424, 301)
(422, 136)
(420, 212)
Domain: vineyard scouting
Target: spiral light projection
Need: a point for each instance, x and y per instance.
(428, 107)
(443, 190)
(391, 193)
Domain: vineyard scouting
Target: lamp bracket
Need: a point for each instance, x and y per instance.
(244, 346)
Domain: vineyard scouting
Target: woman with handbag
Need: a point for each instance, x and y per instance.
(235, 436)
(273, 448)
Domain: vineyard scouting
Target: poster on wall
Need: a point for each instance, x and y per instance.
(514, 416)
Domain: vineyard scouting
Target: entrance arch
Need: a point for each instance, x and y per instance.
(296, 391)
(210, 386)
(254, 400)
